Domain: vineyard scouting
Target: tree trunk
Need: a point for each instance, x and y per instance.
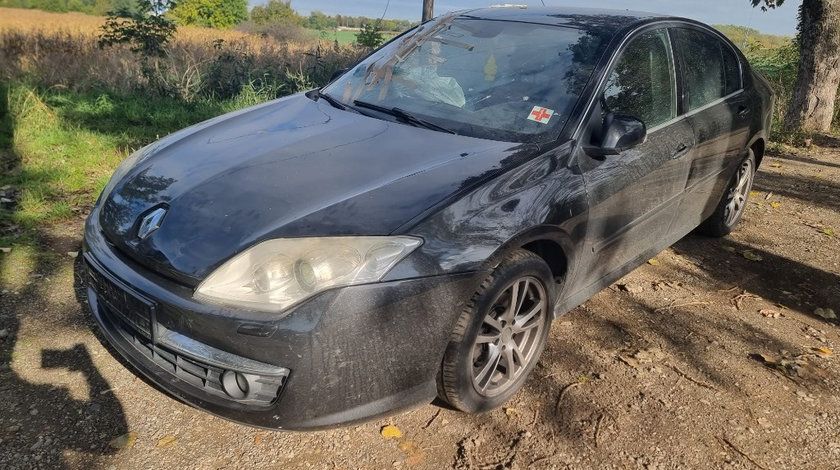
(812, 105)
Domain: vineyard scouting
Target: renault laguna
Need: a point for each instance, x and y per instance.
(411, 230)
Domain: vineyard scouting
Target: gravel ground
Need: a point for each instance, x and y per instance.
(714, 355)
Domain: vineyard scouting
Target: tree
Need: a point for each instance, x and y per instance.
(369, 36)
(144, 30)
(812, 105)
(275, 11)
(222, 14)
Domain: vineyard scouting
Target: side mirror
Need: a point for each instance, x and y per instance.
(338, 73)
(620, 132)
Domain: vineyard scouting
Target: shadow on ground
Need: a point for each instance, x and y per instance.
(44, 425)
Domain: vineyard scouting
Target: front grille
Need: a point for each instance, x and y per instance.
(129, 307)
(264, 389)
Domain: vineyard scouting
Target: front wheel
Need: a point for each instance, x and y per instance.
(731, 208)
(500, 335)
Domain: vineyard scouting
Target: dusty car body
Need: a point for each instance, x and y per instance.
(475, 207)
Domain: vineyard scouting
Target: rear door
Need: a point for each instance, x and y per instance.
(719, 113)
(633, 196)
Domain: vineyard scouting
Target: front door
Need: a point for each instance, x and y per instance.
(633, 196)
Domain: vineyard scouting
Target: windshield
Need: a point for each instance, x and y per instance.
(499, 80)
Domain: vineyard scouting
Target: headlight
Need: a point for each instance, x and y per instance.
(277, 274)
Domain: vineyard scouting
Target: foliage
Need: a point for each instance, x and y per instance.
(767, 4)
(195, 65)
(745, 37)
(146, 30)
(370, 36)
(275, 11)
(221, 14)
(285, 32)
(318, 20)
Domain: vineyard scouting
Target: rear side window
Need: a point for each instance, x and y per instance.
(711, 68)
(642, 83)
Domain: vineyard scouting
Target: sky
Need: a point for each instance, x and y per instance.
(738, 12)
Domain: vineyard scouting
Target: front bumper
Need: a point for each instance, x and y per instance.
(346, 355)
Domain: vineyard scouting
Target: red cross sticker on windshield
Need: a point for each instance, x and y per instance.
(541, 115)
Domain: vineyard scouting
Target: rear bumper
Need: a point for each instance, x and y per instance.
(344, 356)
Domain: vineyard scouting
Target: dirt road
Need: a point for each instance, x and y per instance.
(710, 356)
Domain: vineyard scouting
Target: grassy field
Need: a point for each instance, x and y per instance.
(343, 37)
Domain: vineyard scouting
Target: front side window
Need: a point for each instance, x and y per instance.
(642, 83)
(501, 80)
(712, 70)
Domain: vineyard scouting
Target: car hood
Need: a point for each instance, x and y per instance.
(288, 168)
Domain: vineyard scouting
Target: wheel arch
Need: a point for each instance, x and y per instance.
(550, 243)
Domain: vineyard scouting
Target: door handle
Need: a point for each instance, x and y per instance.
(681, 150)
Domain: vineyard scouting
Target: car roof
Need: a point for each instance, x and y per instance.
(605, 20)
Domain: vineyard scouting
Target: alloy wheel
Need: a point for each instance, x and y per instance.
(509, 336)
(737, 199)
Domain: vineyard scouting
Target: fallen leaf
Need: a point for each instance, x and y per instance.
(629, 361)
(413, 454)
(774, 205)
(391, 432)
(776, 165)
(829, 232)
(168, 441)
(511, 411)
(758, 203)
(653, 262)
(823, 352)
(764, 358)
(126, 441)
(730, 249)
(826, 313)
(751, 256)
(768, 312)
(257, 439)
(754, 193)
(647, 356)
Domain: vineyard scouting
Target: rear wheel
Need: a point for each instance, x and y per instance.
(500, 335)
(731, 208)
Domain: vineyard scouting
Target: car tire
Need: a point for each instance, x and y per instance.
(731, 208)
(499, 336)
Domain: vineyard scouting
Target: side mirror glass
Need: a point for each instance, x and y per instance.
(620, 132)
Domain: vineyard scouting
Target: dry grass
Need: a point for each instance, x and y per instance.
(60, 49)
(79, 23)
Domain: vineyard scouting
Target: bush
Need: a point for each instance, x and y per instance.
(283, 32)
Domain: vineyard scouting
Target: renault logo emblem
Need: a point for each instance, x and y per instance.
(151, 222)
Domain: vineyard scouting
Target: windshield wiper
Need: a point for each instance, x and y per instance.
(403, 115)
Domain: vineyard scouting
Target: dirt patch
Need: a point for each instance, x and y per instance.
(722, 353)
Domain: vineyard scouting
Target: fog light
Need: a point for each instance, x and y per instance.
(235, 384)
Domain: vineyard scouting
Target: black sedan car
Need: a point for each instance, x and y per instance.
(412, 229)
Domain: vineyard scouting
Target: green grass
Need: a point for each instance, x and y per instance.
(343, 37)
(59, 148)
